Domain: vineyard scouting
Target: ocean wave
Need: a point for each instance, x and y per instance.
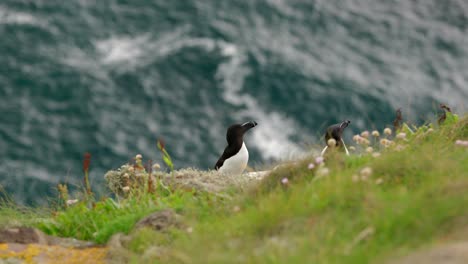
(272, 136)
(11, 17)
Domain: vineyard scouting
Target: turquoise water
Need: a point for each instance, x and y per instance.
(109, 77)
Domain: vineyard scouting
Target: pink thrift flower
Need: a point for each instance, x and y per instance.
(365, 134)
(462, 143)
(319, 160)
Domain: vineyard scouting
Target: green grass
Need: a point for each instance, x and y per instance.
(423, 197)
(105, 218)
(414, 197)
(13, 215)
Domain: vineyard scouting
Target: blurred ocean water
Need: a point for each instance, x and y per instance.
(110, 77)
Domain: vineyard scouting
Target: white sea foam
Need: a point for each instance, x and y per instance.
(121, 49)
(272, 136)
(8, 16)
(128, 52)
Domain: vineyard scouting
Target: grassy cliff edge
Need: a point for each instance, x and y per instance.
(384, 201)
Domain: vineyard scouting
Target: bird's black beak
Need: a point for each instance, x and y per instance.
(248, 125)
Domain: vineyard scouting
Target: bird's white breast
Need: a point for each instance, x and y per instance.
(237, 163)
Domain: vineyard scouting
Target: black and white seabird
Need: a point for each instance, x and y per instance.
(235, 155)
(336, 131)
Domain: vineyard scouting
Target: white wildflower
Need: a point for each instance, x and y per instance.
(400, 147)
(401, 135)
(71, 202)
(156, 166)
(355, 178)
(356, 138)
(323, 171)
(366, 173)
(331, 142)
(387, 131)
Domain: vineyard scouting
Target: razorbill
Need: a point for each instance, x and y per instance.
(336, 131)
(235, 155)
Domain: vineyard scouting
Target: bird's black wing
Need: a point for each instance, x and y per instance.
(219, 163)
(229, 151)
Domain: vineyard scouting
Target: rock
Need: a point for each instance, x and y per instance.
(28, 235)
(155, 253)
(69, 242)
(185, 179)
(118, 253)
(29, 245)
(160, 221)
(22, 235)
(454, 253)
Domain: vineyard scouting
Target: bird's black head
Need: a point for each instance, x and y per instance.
(237, 131)
(344, 125)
